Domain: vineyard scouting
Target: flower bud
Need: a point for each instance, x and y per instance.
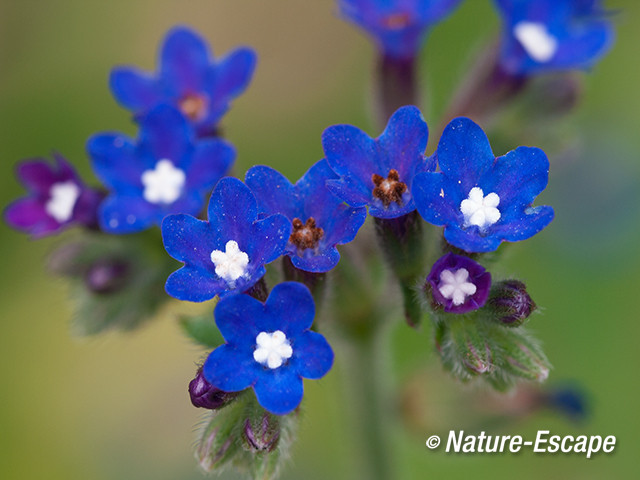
(523, 358)
(205, 395)
(510, 303)
(107, 275)
(262, 434)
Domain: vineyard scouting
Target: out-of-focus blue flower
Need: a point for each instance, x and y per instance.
(458, 284)
(269, 347)
(378, 172)
(482, 200)
(227, 253)
(545, 35)
(188, 78)
(320, 219)
(397, 26)
(165, 171)
(56, 199)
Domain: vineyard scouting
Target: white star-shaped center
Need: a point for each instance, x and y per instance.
(534, 37)
(62, 200)
(454, 285)
(272, 349)
(480, 210)
(164, 183)
(230, 264)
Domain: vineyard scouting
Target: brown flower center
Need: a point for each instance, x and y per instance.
(396, 21)
(389, 189)
(193, 106)
(305, 235)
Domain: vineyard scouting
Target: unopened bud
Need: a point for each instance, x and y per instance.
(107, 275)
(262, 434)
(205, 395)
(525, 359)
(511, 303)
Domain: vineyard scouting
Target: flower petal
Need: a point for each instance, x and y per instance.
(184, 61)
(230, 368)
(211, 160)
(279, 391)
(188, 239)
(289, 308)
(313, 356)
(166, 134)
(134, 89)
(125, 213)
(238, 318)
(194, 283)
(114, 161)
(273, 191)
(232, 209)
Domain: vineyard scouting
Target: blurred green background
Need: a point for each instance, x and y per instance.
(116, 407)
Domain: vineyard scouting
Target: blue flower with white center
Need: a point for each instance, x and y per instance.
(546, 35)
(227, 253)
(398, 26)
(188, 78)
(482, 200)
(269, 347)
(320, 220)
(379, 172)
(165, 171)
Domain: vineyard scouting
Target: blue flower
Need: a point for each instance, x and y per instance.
(165, 172)
(268, 347)
(320, 220)
(545, 35)
(188, 78)
(398, 26)
(227, 253)
(379, 172)
(458, 284)
(482, 200)
(57, 199)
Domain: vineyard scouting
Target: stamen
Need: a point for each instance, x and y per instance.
(534, 37)
(63, 198)
(272, 349)
(164, 183)
(389, 189)
(454, 285)
(305, 235)
(230, 264)
(480, 210)
(193, 106)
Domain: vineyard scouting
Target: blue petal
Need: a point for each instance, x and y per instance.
(211, 160)
(166, 134)
(279, 391)
(194, 283)
(325, 260)
(312, 355)
(232, 210)
(237, 316)
(188, 239)
(230, 368)
(527, 225)
(343, 226)
(437, 200)
(114, 161)
(269, 239)
(464, 153)
(184, 62)
(124, 213)
(133, 89)
(470, 239)
(289, 308)
(585, 47)
(274, 193)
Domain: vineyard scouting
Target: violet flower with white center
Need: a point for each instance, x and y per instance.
(188, 78)
(379, 172)
(320, 219)
(228, 252)
(57, 198)
(458, 284)
(167, 170)
(269, 347)
(482, 200)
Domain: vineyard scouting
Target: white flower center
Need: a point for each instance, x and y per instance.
(63, 198)
(480, 210)
(454, 285)
(230, 264)
(272, 349)
(164, 183)
(539, 44)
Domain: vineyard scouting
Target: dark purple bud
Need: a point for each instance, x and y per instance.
(457, 284)
(511, 303)
(262, 434)
(205, 395)
(107, 275)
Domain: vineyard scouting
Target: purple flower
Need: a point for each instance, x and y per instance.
(379, 172)
(482, 200)
(320, 220)
(269, 347)
(228, 252)
(545, 35)
(165, 171)
(56, 199)
(458, 284)
(398, 26)
(188, 78)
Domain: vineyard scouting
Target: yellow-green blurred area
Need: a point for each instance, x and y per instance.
(116, 406)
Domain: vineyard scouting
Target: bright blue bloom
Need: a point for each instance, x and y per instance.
(269, 347)
(378, 172)
(188, 78)
(399, 27)
(227, 253)
(545, 35)
(482, 200)
(165, 171)
(320, 219)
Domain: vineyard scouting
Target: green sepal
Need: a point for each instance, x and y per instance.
(202, 330)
